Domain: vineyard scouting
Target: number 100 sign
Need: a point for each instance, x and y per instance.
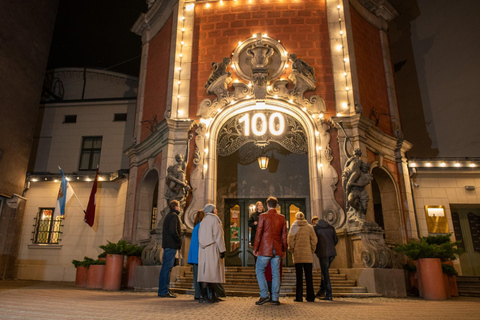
(258, 124)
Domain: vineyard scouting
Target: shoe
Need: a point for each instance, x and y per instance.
(167, 295)
(327, 298)
(320, 293)
(262, 301)
(220, 299)
(276, 303)
(298, 300)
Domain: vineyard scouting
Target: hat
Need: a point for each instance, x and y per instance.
(300, 216)
(314, 218)
(209, 208)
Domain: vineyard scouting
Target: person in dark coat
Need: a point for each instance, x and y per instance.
(171, 242)
(327, 240)
(253, 221)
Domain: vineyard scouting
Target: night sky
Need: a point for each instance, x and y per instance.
(96, 34)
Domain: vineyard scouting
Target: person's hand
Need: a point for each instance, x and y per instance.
(222, 255)
(284, 254)
(255, 253)
(255, 223)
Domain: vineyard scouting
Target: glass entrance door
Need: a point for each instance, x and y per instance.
(238, 233)
(466, 223)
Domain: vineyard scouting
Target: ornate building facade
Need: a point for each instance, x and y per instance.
(307, 84)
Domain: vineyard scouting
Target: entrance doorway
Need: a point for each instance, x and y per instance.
(237, 231)
(466, 224)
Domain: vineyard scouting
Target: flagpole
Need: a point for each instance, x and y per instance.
(78, 201)
(74, 193)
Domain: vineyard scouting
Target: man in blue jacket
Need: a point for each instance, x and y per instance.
(327, 240)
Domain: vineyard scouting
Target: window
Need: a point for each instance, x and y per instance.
(72, 118)
(90, 157)
(47, 230)
(120, 117)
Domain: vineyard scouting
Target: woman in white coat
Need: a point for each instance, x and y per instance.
(211, 251)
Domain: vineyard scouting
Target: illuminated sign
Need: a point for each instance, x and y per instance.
(259, 125)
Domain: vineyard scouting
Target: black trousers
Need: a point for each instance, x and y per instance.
(299, 268)
(325, 285)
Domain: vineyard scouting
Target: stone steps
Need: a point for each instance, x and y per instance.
(468, 286)
(242, 281)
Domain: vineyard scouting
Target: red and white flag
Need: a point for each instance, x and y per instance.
(90, 213)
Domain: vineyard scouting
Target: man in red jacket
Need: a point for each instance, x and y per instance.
(270, 245)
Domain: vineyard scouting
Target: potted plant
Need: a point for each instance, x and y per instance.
(411, 270)
(114, 264)
(429, 253)
(96, 274)
(450, 278)
(134, 253)
(102, 256)
(82, 271)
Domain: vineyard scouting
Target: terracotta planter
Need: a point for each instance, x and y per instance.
(102, 259)
(431, 278)
(447, 285)
(95, 276)
(113, 272)
(452, 281)
(132, 263)
(81, 276)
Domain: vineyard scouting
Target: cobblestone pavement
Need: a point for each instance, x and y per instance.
(49, 300)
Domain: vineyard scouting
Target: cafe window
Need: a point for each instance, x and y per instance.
(47, 229)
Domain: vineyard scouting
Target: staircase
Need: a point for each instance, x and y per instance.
(468, 286)
(242, 282)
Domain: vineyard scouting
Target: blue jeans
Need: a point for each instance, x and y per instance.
(168, 262)
(262, 262)
(326, 285)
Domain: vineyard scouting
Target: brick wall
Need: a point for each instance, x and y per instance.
(371, 72)
(300, 26)
(156, 82)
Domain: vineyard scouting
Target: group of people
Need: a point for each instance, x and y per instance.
(270, 244)
(206, 254)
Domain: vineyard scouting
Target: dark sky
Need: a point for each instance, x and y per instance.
(96, 34)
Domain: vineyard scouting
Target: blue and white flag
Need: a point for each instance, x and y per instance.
(64, 194)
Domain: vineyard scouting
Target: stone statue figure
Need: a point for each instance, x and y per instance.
(219, 69)
(176, 180)
(355, 177)
(302, 67)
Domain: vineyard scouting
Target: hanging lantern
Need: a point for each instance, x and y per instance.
(263, 162)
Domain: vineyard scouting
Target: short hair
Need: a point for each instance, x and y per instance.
(172, 204)
(314, 219)
(198, 217)
(272, 202)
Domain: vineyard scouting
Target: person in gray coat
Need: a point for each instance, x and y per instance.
(326, 253)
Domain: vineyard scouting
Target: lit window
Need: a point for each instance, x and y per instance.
(90, 156)
(47, 230)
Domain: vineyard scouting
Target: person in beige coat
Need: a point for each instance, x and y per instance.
(302, 242)
(211, 251)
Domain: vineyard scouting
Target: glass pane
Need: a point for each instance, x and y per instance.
(234, 228)
(95, 160)
(293, 211)
(251, 209)
(84, 160)
(97, 144)
(87, 143)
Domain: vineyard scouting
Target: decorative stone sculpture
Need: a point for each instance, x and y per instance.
(302, 67)
(219, 69)
(177, 185)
